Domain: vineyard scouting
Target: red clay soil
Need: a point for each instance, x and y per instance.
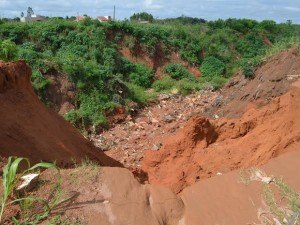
(227, 200)
(204, 148)
(60, 93)
(29, 129)
(113, 196)
(159, 61)
(271, 80)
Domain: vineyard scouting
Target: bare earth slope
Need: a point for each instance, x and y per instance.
(31, 130)
(113, 196)
(225, 200)
(205, 147)
(266, 136)
(271, 80)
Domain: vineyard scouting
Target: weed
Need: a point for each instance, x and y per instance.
(283, 201)
(11, 178)
(59, 220)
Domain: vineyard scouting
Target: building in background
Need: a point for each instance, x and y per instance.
(80, 18)
(31, 16)
(104, 18)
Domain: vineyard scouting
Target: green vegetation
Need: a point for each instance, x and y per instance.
(285, 209)
(143, 16)
(10, 180)
(177, 72)
(212, 67)
(282, 201)
(8, 50)
(89, 53)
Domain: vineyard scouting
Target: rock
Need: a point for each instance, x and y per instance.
(162, 97)
(29, 182)
(169, 119)
(218, 101)
(153, 120)
(157, 147)
(217, 117)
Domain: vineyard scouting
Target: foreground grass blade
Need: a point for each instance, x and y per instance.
(10, 179)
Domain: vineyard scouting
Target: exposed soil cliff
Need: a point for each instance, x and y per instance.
(272, 79)
(60, 93)
(266, 135)
(30, 130)
(205, 147)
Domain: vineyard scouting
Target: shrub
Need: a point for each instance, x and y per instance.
(164, 84)
(186, 86)
(249, 66)
(72, 116)
(8, 50)
(177, 71)
(39, 83)
(218, 82)
(91, 108)
(251, 46)
(142, 16)
(138, 94)
(212, 67)
(141, 76)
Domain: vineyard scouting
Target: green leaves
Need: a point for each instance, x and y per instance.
(177, 72)
(10, 178)
(141, 76)
(212, 67)
(8, 50)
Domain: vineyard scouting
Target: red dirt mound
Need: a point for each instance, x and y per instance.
(204, 148)
(29, 129)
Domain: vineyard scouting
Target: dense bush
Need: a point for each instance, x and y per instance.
(141, 76)
(8, 50)
(177, 71)
(88, 52)
(143, 16)
(164, 84)
(212, 67)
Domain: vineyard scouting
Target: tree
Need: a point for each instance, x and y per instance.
(143, 16)
(30, 12)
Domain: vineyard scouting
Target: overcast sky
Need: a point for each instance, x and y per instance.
(278, 10)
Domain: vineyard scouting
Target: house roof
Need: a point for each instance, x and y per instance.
(80, 18)
(104, 18)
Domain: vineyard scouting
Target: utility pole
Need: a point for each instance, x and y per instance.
(114, 18)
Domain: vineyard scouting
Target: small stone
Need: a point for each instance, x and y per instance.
(157, 147)
(29, 182)
(153, 120)
(163, 97)
(169, 119)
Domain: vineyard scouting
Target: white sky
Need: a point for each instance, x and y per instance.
(278, 10)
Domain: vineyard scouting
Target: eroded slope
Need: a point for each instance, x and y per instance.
(29, 129)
